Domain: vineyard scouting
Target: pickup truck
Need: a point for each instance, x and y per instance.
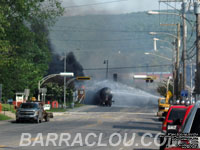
(32, 111)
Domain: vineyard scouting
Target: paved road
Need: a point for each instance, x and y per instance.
(107, 127)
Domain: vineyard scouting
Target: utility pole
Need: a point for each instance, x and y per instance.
(65, 59)
(177, 64)
(176, 83)
(197, 82)
(191, 80)
(184, 9)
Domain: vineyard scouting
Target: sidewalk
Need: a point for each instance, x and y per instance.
(9, 114)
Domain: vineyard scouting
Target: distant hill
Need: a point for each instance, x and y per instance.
(122, 39)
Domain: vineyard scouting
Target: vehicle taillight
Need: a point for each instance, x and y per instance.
(164, 127)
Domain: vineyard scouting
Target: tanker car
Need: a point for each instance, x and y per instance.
(105, 97)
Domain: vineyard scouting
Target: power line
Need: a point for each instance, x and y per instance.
(92, 4)
(108, 40)
(133, 67)
(74, 29)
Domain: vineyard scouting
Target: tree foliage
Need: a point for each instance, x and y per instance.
(162, 88)
(24, 44)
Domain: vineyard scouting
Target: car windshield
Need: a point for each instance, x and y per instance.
(177, 113)
(162, 101)
(29, 105)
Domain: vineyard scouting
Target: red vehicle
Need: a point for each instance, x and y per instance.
(175, 117)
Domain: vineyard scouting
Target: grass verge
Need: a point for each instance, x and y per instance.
(8, 107)
(4, 117)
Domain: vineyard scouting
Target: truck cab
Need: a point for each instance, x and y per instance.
(31, 111)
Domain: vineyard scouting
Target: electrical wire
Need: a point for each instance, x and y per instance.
(108, 40)
(92, 4)
(172, 6)
(119, 68)
(74, 29)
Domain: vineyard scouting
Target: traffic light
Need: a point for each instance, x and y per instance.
(149, 80)
(145, 77)
(83, 78)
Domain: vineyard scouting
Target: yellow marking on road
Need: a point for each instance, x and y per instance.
(3, 146)
(129, 142)
(107, 116)
(35, 139)
(99, 122)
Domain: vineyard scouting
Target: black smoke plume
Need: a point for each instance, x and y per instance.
(72, 65)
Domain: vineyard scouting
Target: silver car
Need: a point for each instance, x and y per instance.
(30, 111)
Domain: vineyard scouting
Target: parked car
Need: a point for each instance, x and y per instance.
(176, 112)
(176, 125)
(190, 126)
(175, 118)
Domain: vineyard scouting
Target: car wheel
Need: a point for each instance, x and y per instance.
(17, 121)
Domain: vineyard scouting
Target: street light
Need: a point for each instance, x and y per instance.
(67, 74)
(184, 31)
(171, 43)
(64, 74)
(172, 35)
(178, 44)
(164, 47)
(158, 56)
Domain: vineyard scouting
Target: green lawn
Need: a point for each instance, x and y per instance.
(8, 107)
(3, 117)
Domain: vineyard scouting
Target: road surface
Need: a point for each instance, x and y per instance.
(86, 128)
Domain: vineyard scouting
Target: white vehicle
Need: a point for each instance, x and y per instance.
(47, 106)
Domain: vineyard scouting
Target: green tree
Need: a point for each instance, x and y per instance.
(24, 44)
(162, 88)
(54, 92)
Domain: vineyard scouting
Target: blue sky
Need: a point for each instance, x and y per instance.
(126, 6)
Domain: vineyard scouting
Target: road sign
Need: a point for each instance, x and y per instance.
(10, 101)
(43, 90)
(83, 78)
(184, 93)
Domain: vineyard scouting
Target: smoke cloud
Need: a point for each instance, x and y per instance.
(72, 65)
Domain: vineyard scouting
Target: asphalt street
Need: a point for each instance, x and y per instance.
(87, 128)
